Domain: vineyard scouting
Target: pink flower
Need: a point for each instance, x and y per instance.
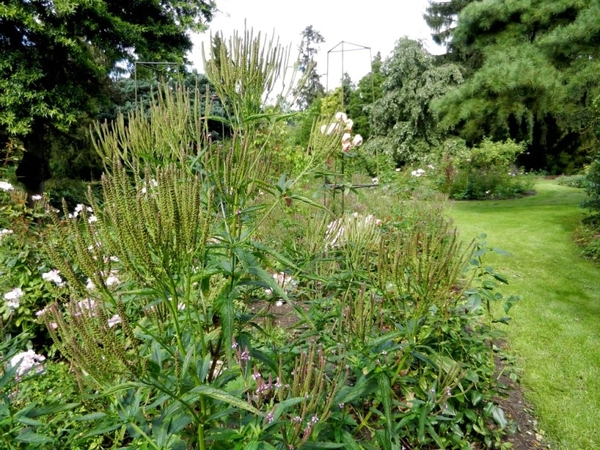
(346, 138)
(341, 116)
(358, 140)
(114, 320)
(346, 147)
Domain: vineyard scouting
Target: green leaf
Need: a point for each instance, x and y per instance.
(318, 445)
(222, 396)
(34, 438)
(90, 417)
(281, 407)
(44, 410)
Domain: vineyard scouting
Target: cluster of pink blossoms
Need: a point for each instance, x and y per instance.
(343, 122)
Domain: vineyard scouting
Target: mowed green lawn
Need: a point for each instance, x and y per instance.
(555, 331)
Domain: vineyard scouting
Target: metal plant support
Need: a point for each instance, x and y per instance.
(342, 48)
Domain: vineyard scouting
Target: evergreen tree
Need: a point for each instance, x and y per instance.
(58, 58)
(307, 65)
(405, 126)
(535, 66)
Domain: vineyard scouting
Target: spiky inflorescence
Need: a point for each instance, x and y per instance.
(83, 335)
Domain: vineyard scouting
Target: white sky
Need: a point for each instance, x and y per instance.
(377, 24)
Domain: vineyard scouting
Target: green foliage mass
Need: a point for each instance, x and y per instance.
(172, 277)
(58, 58)
(486, 171)
(404, 124)
(533, 74)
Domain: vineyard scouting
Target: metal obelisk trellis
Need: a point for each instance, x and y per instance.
(342, 48)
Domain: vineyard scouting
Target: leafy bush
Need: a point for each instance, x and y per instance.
(23, 263)
(73, 192)
(576, 181)
(483, 172)
(593, 187)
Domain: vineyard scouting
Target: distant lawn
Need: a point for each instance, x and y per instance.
(555, 330)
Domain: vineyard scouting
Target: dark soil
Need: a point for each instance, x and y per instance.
(523, 434)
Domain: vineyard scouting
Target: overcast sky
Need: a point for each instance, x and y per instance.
(348, 25)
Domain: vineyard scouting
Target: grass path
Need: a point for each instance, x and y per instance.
(555, 331)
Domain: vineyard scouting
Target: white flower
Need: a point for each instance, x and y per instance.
(112, 279)
(13, 304)
(27, 361)
(357, 141)
(284, 280)
(5, 231)
(349, 124)
(78, 208)
(54, 277)
(346, 146)
(13, 298)
(86, 305)
(114, 320)
(417, 173)
(36, 197)
(90, 286)
(92, 219)
(430, 166)
(398, 169)
(346, 138)
(332, 127)
(323, 129)
(375, 180)
(278, 303)
(341, 116)
(6, 186)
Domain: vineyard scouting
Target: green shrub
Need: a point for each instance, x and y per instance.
(593, 187)
(172, 277)
(23, 264)
(576, 181)
(486, 171)
(74, 192)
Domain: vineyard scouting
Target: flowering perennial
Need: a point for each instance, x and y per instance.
(348, 228)
(78, 209)
(342, 121)
(13, 298)
(54, 277)
(26, 362)
(6, 186)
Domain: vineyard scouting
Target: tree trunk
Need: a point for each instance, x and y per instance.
(34, 168)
